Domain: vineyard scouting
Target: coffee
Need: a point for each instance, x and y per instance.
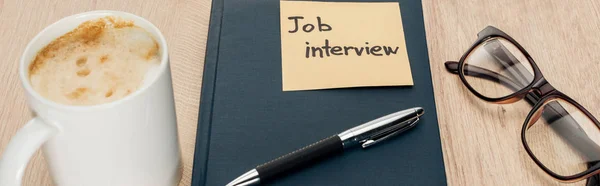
(100, 61)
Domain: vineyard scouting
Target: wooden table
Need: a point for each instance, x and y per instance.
(481, 141)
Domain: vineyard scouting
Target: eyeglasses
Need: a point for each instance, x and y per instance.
(559, 134)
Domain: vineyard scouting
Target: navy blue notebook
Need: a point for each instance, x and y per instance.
(246, 119)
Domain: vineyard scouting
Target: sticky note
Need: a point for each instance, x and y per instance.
(340, 44)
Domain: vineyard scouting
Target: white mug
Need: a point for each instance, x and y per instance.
(129, 142)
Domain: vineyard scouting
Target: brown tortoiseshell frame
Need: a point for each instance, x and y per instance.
(538, 92)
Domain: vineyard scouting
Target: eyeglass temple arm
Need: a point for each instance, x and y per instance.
(567, 127)
(475, 71)
(573, 134)
(509, 62)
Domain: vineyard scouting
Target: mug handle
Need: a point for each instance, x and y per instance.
(20, 149)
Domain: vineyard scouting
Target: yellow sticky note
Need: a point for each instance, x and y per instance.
(339, 44)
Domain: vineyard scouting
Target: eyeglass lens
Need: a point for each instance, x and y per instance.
(563, 138)
(496, 68)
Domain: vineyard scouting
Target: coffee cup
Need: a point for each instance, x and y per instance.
(126, 142)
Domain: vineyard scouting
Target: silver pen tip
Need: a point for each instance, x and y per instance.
(419, 111)
(248, 178)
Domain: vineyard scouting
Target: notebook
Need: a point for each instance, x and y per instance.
(246, 119)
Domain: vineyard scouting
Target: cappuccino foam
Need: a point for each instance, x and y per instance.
(98, 62)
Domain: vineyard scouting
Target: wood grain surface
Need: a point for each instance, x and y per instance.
(481, 141)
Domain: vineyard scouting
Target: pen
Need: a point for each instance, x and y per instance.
(366, 135)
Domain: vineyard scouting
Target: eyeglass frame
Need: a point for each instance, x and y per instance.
(538, 92)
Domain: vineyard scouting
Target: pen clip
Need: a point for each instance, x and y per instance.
(391, 132)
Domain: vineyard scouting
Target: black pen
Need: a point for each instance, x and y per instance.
(366, 134)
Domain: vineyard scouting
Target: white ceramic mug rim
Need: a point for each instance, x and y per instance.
(23, 67)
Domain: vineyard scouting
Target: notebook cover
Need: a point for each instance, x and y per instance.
(246, 119)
